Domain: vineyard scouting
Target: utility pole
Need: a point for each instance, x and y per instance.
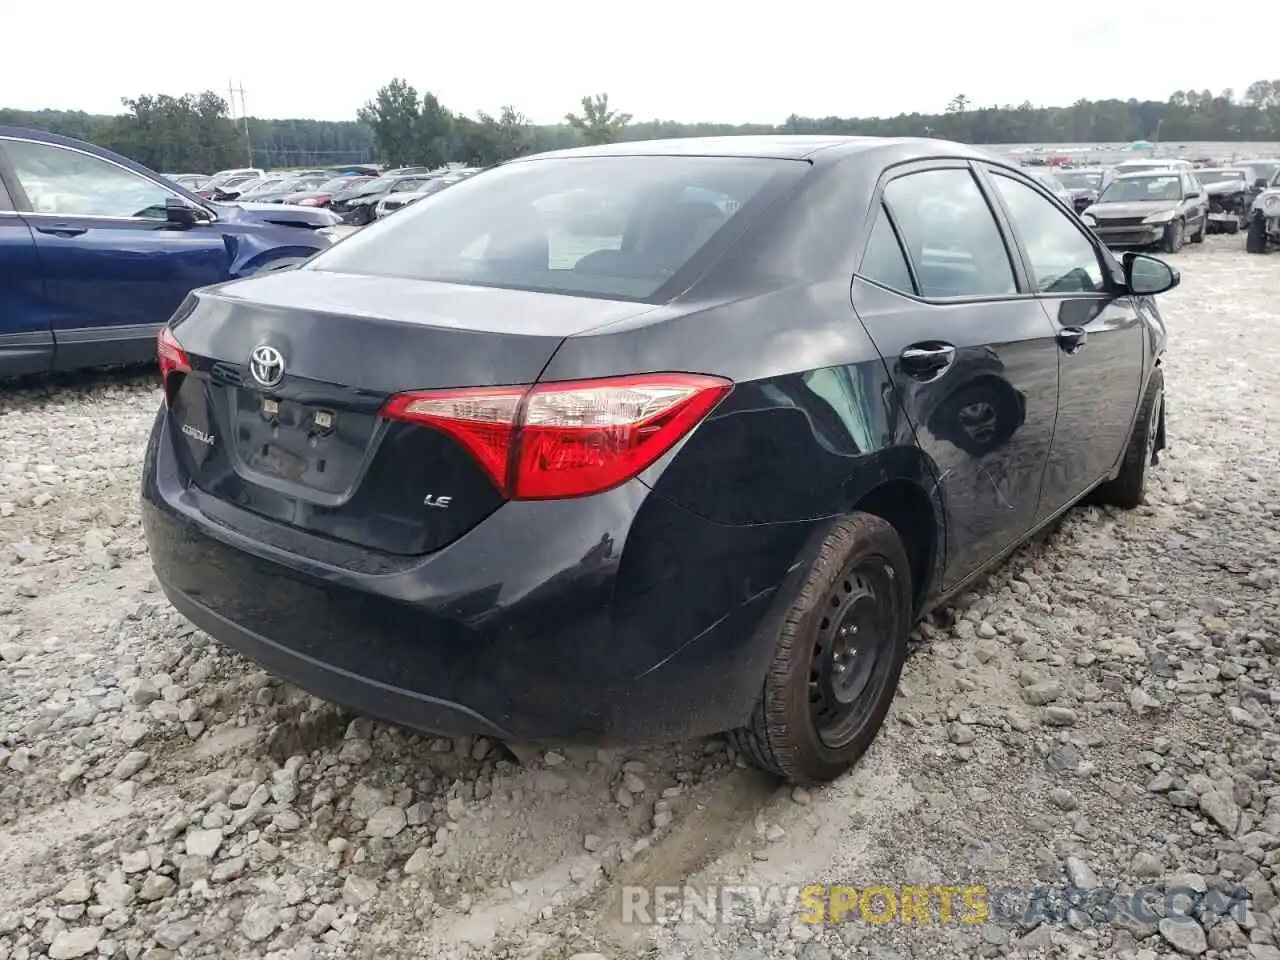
(244, 115)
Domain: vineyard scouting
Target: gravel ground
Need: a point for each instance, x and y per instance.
(1100, 714)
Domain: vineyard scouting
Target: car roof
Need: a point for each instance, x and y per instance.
(768, 146)
(1145, 174)
(44, 136)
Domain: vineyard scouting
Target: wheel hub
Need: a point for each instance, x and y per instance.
(847, 650)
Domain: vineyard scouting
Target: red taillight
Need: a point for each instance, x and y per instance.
(556, 440)
(482, 420)
(173, 359)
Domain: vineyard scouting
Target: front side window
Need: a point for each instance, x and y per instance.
(1062, 258)
(66, 182)
(605, 226)
(950, 234)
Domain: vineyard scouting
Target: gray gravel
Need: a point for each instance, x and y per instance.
(1102, 713)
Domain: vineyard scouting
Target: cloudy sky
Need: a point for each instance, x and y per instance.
(670, 59)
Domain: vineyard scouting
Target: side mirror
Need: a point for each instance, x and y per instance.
(179, 214)
(1146, 276)
(1260, 183)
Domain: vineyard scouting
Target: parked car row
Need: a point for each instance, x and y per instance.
(1169, 202)
(399, 197)
(355, 194)
(368, 201)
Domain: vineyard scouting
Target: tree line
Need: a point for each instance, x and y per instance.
(400, 125)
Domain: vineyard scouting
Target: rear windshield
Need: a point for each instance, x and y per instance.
(595, 226)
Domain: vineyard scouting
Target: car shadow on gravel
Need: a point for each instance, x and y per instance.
(38, 389)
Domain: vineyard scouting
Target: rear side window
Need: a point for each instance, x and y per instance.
(599, 226)
(950, 234)
(883, 261)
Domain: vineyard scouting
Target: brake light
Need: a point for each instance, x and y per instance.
(173, 359)
(570, 439)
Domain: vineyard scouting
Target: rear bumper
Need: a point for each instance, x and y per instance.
(324, 680)
(611, 619)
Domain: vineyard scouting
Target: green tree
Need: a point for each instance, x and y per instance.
(435, 125)
(474, 142)
(394, 115)
(196, 134)
(175, 134)
(513, 134)
(598, 123)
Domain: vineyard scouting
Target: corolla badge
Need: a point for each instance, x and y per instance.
(266, 365)
(197, 434)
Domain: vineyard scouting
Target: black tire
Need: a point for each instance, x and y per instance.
(1198, 236)
(1255, 241)
(1129, 489)
(1231, 227)
(1174, 234)
(859, 584)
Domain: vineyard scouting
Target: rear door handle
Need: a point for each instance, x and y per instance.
(63, 230)
(924, 361)
(1072, 339)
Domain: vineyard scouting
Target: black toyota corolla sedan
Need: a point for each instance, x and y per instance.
(649, 440)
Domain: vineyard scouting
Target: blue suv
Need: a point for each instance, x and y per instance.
(97, 252)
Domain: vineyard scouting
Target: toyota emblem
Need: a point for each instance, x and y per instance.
(267, 365)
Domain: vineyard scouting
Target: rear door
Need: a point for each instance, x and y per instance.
(1100, 337)
(114, 268)
(26, 344)
(972, 356)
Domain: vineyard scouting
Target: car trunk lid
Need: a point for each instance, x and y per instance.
(279, 413)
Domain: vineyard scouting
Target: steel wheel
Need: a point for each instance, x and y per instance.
(847, 672)
(1153, 427)
(839, 652)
